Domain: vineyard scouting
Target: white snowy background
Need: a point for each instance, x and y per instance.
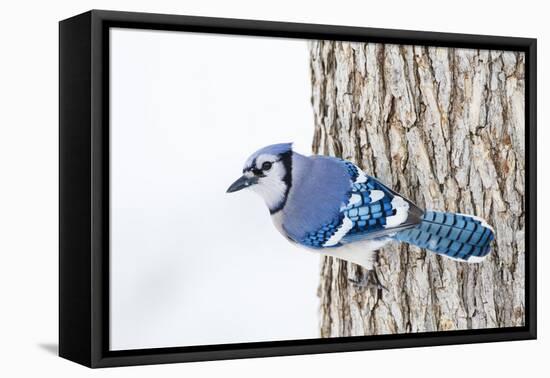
(191, 264)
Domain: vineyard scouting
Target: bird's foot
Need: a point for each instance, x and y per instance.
(369, 279)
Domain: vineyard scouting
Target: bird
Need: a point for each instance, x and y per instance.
(331, 206)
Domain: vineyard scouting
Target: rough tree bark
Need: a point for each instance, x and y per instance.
(444, 127)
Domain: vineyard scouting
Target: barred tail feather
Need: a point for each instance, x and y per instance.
(458, 236)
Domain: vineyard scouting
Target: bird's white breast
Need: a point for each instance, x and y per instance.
(362, 253)
(277, 220)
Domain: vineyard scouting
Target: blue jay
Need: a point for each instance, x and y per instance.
(331, 206)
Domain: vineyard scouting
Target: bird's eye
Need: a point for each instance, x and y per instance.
(266, 166)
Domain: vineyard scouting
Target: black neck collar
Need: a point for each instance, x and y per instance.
(286, 158)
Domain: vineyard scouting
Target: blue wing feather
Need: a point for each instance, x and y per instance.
(367, 212)
(370, 217)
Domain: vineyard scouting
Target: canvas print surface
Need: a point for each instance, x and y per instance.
(268, 189)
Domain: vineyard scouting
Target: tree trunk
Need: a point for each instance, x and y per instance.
(445, 128)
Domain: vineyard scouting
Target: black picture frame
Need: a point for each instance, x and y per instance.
(84, 194)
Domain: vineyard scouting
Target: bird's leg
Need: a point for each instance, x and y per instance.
(369, 278)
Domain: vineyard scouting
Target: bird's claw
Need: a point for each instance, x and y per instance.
(369, 279)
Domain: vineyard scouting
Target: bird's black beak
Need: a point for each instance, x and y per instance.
(242, 183)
